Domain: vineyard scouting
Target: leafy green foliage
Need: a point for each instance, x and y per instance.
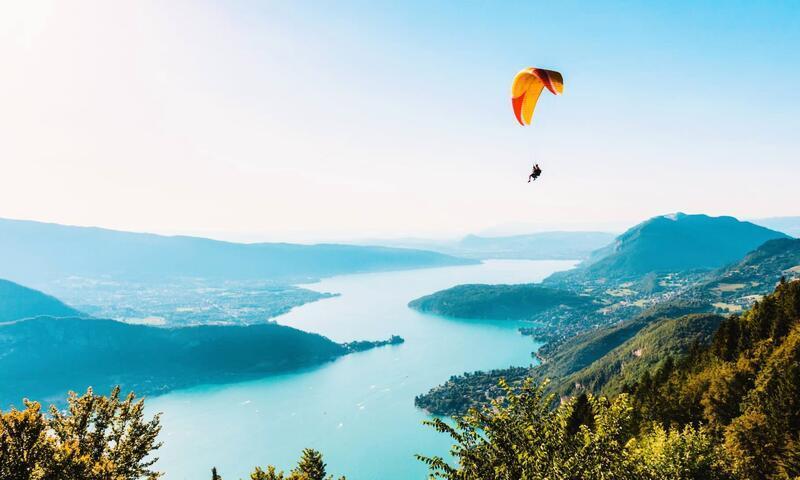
(96, 438)
(271, 473)
(311, 465)
(102, 438)
(523, 437)
(26, 450)
(688, 453)
(745, 387)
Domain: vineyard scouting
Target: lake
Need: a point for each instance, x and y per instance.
(358, 410)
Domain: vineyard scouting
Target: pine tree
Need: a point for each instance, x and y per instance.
(310, 465)
(581, 414)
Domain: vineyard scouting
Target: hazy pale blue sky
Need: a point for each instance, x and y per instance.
(325, 120)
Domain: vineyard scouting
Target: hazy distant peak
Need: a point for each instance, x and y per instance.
(787, 225)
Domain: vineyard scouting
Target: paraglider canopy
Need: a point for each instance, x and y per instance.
(526, 88)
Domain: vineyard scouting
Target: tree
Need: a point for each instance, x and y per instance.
(788, 463)
(725, 343)
(26, 451)
(95, 438)
(310, 466)
(581, 414)
(751, 446)
(524, 437)
(690, 453)
(106, 437)
(521, 436)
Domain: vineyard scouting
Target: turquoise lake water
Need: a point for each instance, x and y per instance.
(358, 410)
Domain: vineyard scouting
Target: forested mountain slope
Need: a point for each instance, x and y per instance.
(745, 386)
(499, 302)
(44, 357)
(732, 288)
(645, 351)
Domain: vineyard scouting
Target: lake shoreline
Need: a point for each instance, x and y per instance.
(337, 407)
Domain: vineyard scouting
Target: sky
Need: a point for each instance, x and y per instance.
(311, 121)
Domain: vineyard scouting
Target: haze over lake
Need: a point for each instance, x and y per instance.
(359, 410)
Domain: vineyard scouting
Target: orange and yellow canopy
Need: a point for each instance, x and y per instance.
(526, 88)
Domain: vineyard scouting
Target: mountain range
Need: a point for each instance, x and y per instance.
(35, 253)
(634, 330)
(534, 246)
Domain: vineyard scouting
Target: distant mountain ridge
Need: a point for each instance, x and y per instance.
(787, 225)
(674, 243)
(556, 245)
(535, 246)
(34, 253)
(18, 302)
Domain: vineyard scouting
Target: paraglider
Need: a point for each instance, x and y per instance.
(525, 91)
(526, 88)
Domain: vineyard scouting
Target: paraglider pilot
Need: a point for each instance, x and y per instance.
(534, 173)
